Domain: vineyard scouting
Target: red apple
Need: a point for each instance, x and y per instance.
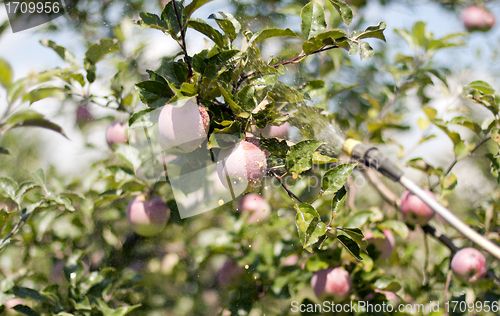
(244, 164)
(182, 129)
(274, 131)
(83, 115)
(334, 282)
(414, 210)
(291, 260)
(229, 273)
(469, 264)
(384, 246)
(390, 296)
(477, 18)
(257, 206)
(9, 304)
(147, 217)
(116, 134)
(8, 206)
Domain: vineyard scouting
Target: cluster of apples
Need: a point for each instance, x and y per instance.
(182, 130)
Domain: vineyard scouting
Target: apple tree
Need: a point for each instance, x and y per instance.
(221, 187)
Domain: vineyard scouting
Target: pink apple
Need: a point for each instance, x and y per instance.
(257, 206)
(390, 296)
(83, 115)
(147, 217)
(291, 260)
(414, 210)
(182, 129)
(274, 131)
(9, 304)
(334, 282)
(477, 18)
(244, 164)
(469, 264)
(229, 273)
(384, 246)
(116, 134)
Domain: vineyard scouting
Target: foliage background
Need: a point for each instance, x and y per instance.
(72, 251)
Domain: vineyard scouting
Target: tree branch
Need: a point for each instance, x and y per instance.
(294, 60)
(183, 38)
(290, 193)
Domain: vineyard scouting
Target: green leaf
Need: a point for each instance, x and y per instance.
(357, 235)
(420, 35)
(335, 178)
(313, 20)
(24, 292)
(99, 50)
(482, 86)
(344, 10)
(4, 151)
(309, 225)
(64, 53)
(155, 94)
(39, 176)
(42, 93)
(338, 202)
(322, 159)
(314, 263)
(96, 53)
(5, 73)
(205, 29)
(273, 32)
(175, 17)
(195, 5)
(398, 227)
(300, 157)
(387, 284)
(358, 219)
(137, 115)
(278, 148)
(351, 246)
(366, 51)
(173, 72)
(31, 118)
(371, 32)
(228, 24)
(230, 101)
(430, 112)
(23, 309)
(151, 20)
(8, 187)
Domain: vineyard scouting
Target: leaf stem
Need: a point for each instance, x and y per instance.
(290, 193)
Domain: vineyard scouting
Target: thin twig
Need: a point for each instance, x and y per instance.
(386, 193)
(447, 289)
(290, 193)
(426, 260)
(183, 38)
(294, 60)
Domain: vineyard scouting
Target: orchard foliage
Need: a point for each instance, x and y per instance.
(67, 248)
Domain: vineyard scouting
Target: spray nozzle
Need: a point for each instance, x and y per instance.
(371, 157)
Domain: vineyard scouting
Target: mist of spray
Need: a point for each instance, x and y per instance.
(329, 132)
